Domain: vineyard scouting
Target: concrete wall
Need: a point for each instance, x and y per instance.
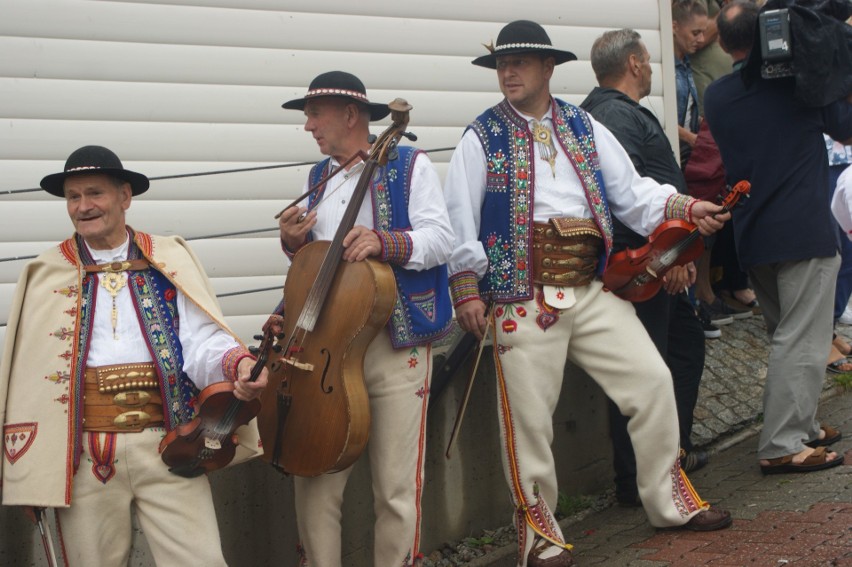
(463, 495)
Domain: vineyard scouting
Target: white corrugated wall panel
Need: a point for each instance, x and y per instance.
(184, 86)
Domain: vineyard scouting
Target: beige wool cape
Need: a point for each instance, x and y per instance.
(37, 368)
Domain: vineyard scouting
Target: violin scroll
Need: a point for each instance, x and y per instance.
(740, 189)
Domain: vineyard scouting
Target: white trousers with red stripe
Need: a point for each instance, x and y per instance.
(602, 335)
(175, 513)
(397, 382)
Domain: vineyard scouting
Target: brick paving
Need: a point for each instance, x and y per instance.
(792, 519)
(779, 520)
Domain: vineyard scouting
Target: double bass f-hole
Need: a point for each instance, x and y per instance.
(326, 389)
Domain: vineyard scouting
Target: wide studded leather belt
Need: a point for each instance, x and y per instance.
(566, 251)
(122, 398)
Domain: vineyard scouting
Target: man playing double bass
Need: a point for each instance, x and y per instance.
(403, 221)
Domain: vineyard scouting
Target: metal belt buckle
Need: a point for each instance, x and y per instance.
(132, 419)
(134, 399)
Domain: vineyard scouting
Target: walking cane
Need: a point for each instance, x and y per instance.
(46, 538)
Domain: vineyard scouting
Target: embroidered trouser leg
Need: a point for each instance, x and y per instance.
(796, 299)
(176, 514)
(397, 382)
(602, 334)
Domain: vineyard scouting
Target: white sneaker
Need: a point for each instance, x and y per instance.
(846, 318)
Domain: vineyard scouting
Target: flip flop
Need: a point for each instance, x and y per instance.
(816, 461)
(832, 435)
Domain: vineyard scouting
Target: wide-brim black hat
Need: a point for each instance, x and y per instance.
(339, 83)
(522, 36)
(91, 160)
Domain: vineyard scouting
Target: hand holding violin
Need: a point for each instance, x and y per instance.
(637, 275)
(244, 389)
(709, 217)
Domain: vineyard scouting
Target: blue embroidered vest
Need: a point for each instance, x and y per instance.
(154, 297)
(507, 210)
(422, 312)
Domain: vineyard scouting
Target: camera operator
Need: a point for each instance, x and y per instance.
(785, 237)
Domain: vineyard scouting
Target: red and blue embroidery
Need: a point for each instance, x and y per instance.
(17, 439)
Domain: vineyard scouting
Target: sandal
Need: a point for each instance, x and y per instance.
(816, 461)
(832, 435)
(839, 366)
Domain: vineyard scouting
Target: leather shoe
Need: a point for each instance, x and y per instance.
(629, 500)
(709, 520)
(564, 559)
(694, 460)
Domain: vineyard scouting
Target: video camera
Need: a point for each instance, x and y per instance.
(776, 44)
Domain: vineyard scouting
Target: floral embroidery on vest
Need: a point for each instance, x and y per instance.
(507, 210)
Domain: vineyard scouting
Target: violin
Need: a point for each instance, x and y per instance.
(637, 274)
(208, 442)
(315, 413)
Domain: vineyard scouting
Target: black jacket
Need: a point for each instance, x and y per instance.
(640, 133)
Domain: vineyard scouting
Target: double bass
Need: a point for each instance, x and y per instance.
(315, 413)
(637, 274)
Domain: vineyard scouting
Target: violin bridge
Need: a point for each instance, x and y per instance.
(213, 444)
(300, 365)
(650, 271)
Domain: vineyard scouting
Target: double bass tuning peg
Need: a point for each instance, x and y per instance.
(410, 135)
(254, 350)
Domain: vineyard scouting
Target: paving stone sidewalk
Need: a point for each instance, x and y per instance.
(793, 519)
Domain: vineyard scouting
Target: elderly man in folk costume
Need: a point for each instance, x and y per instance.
(403, 222)
(112, 333)
(531, 189)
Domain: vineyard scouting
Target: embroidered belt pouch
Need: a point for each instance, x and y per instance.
(122, 398)
(566, 251)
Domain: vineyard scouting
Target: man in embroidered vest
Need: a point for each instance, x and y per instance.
(96, 369)
(530, 189)
(402, 221)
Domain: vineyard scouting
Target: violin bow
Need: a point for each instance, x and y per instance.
(46, 538)
(312, 189)
(469, 388)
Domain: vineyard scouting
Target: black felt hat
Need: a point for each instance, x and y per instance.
(522, 36)
(90, 160)
(339, 83)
